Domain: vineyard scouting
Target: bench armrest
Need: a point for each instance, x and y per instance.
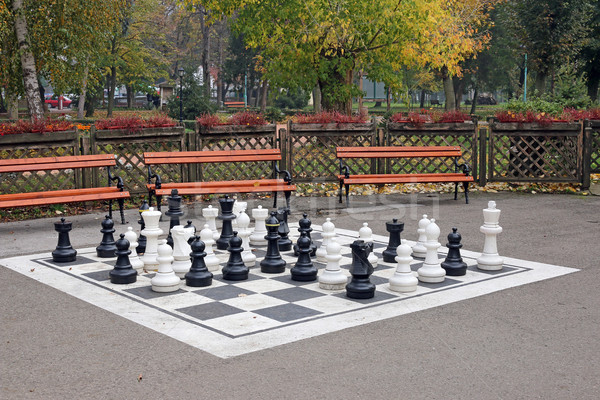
(157, 180)
(344, 170)
(117, 178)
(287, 176)
(464, 168)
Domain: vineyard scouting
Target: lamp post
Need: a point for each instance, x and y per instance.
(180, 95)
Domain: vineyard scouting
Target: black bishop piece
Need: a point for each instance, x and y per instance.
(64, 251)
(304, 226)
(285, 244)
(272, 263)
(453, 264)
(174, 212)
(304, 270)
(227, 216)
(394, 228)
(235, 270)
(360, 286)
(141, 249)
(123, 273)
(107, 247)
(198, 275)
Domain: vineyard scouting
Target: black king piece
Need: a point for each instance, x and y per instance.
(227, 216)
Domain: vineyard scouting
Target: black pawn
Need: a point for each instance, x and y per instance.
(141, 249)
(285, 244)
(304, 226)
(453, 264)
(360, 286)
(394, 228)
(272, 263)
(226, 216)
(304, 270)
(123, 273)
(235, 269)
(64, 251)
(198, 275)
(190, 225)
(107, 247)
(174, 211)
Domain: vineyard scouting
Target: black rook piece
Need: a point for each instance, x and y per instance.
(123, 272)
(226, 216)
(64, 251)
(174, 211)
(394, 228)
(360, 286)
(304, 226)
(235, 270)
(272, 263)
(198, 275)
(107, 247)
(453, 264)
(285, 244)
(304, 270)
(141, 249)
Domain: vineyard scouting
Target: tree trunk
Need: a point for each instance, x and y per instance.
(422, 103)
(263, 96)
(220, 75)
(474, 103)
(360, 87)
(448, 90)
(2, 103)
(81, 104)
(36, 111)
(12, 104)
(112, 83)
(540, 82)
(317, 99)
(130, 96)
(459, 85)
(205, 53)
(592, 86)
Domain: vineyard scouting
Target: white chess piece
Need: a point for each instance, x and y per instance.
(244, 231)
(260, 229)
(419, 250)
(403, 279)
(211, 214)
(366, 234)
(333, 278)
(432, 271)
(490, 260)
(181, 250)
(238, 206)
(165, 279)
(152, 232)
(134, 259)
(211, 260)
(328, 234)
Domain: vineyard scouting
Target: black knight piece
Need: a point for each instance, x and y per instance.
(304, 270)
(227, 216)
(123, 273)
(454, 264)
(304, 226)
(107, 247)
(174, 212)
(64, 251)
(235, 270)
(141, 249)
(272, 263)
(285, 244)
(394, 228)
(198, 275)
(360, 286)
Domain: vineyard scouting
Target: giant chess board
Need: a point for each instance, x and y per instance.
(230, 318)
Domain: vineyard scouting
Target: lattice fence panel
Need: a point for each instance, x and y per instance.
(595, 157)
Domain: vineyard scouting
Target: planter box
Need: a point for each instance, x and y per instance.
(46, 139)
(142, 133)
(234, 129)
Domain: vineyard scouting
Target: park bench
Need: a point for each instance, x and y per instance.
(234, 104)
(460, 174)
(67, 164)
(258, 185)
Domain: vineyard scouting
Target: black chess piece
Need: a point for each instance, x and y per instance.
(304, 270)
(227, 216)
(198, 275)
(108, 246)
(235, 269)
(190, 225)
(123, 273)
(141, 249)
(285, 244)
(304, 226)
(174, 212)
(360, 286)
(453, 264)
(64, 251)
(273, 263)
(394, 228)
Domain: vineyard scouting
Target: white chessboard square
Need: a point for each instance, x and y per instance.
(253, 302)
(330, 304)
(264, 285)
(242, 323)
(178, 300)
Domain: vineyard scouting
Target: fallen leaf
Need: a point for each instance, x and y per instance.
(242, 295)
(140, 378)
(32, 269)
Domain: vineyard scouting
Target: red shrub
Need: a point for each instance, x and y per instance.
(247, 118)
(40, 125)
(329, 117)
(156, 121)
(209, 120)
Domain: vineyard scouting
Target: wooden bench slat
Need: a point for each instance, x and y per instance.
(196, 157)
(228, 189)
(57, 166)
(199, 160)
(63, 199)
(210, 153)
(410, 178)
(251, 182)
(395, 148)
(44, 160)
(404, 154)
(57, 193)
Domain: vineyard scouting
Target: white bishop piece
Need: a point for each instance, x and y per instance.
(333, 278)
(490, 260)
(403, 279)
(243, 222)
(432, 271)
(260, 229)
(210, 214)
(328, 234)
(419, 250)
(181, 250)
(211, 260)
(134, 259)
(152, 232)
(165, 279)
(366, 234)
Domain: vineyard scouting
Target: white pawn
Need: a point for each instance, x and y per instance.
(328, 234)
(403, 279)
(134, 259)
(260, 229)
(366, 234)
(211, 214)
(490, 260)
(432, 271)
(419, 250)
(165, 279)
(211, 260)
(152, 232)
(333, 278)
(181, 250)
(248, 256)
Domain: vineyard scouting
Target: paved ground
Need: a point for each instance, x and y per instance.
(535, 341)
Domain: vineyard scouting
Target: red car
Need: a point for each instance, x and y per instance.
(52, 101)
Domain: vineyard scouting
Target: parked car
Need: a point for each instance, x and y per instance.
(53, 100)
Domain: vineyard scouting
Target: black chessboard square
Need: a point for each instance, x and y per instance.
(379, 296)
(259, 253)
(149, 275)
(446, 282)
(98, 275)
(294, 294)
(222, 292)
(79, 260)
(377, 280)
(287, 312)
(208, 311)
(383, 266)
(504, 270)
(316, 236)
(146, 292)
(377, 245)
(219, 277)
(288, 279)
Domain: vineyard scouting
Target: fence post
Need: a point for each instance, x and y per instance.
(281, 143)
(586, 159)
(483, 154)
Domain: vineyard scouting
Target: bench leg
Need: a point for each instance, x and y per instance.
(287, 198)
(158, 202)
(466, 186)
(340, 193)
(121, 210)
(275, 200)
(110, 202)
(149, 198)
(455, 190)
(347, 195)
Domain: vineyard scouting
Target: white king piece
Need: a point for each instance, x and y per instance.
(490, 260)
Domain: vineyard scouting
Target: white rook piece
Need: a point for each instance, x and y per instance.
(211, 260)
(243, 222)
(181, 250)
(332, 277)
(432, 271)
(210, 214)
(134, 259)
(365, 233)
(165, 279)
(152, 232)
(328, 234)
(260, 229)
(403, 279)
(490, 260)
(419, 250)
